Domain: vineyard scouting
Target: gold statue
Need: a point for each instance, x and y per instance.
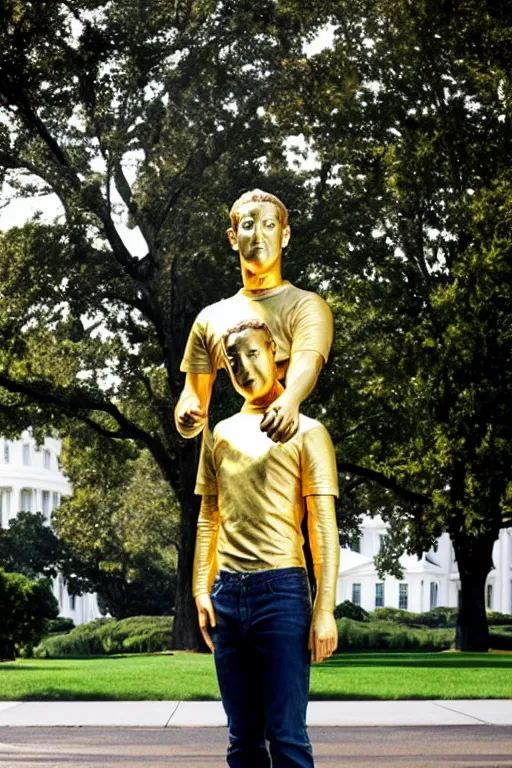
(300, 321)
(250, 582)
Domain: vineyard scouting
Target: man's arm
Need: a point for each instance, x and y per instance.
(191, 412)
(325, 548)
(281, 421)
(205, 564)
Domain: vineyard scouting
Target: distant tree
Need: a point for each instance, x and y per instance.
(25, 607)
(119, 530)
(29, 546)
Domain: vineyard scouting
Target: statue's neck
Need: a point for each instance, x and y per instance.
(262, 281)
(267, 400)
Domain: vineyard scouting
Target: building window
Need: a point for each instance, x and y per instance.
(433, 594)
(382, 536)
(356, 594)
(55, 500)
(46, 504)
(355, 544)
(46, 458)
(6, 452)
(403, 597)
(26, 454)
(379, 595)
(26, 500)
(72, 602)
(488, 597)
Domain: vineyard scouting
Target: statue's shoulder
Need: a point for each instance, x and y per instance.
(218, 308)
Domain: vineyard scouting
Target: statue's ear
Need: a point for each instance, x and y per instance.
(232, 238)
(285, 238)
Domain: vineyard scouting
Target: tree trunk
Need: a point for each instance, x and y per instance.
(474, 559)
(186, 634)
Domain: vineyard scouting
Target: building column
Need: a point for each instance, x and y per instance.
(504, 572)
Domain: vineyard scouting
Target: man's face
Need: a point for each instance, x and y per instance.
(251, 359)
(260, 236)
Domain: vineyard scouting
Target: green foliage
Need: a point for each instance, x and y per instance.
(59, 625)
(501, 640)
(25, 608)
(384, 635)
(137, 634)
(29, 546)
(347, 609)
(395, 614)
(496, 619)
(120, 527)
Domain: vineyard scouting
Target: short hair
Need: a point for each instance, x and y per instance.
(257, 196)
(245, 325)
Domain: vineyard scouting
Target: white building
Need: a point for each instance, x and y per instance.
(31, 481)
(428, 582)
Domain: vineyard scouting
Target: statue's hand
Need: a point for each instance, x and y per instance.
(190, 417)
(281, 421)
(206, 616)
(323, 635)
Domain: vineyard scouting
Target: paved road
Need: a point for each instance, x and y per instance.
(398, 747)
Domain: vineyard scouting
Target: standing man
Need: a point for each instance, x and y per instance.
(300, 321)
(257, 617)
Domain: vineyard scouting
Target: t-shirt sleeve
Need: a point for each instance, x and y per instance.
(206, 479)
(312, 326)
(196, 358)
(318, 463)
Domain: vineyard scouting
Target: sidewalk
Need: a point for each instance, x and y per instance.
(174, 714)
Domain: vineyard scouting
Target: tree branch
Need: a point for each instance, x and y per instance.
(386, 482)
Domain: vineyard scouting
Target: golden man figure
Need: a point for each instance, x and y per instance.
(250, 581)
(299, 321)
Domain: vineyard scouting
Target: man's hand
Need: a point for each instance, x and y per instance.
(206, 616)
(190, 417)
(281, 421)
(323, 635)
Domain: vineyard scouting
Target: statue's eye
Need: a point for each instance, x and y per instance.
(270, 224)
(247, 224)
(253, 353)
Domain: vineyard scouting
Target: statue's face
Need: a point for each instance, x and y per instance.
(251, 359)
(260, 236)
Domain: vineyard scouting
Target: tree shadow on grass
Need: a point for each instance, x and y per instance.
(445, 661)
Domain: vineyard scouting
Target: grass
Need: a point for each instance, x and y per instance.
(192, 676)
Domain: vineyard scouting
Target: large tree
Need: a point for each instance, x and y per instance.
(410, 113)
(153, 114)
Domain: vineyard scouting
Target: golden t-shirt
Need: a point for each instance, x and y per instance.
(298, 320)
(261, 487)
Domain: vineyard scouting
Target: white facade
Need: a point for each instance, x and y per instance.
(428, 582)
(31, 481)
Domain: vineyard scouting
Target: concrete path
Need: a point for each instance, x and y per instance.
(165, 714)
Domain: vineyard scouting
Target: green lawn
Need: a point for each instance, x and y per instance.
(192, 676)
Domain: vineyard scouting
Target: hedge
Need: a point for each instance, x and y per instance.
(384, 635)
(137, 634)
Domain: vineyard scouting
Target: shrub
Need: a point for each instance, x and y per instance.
(349, 610)
(495, 619)
(395, 614)
(136, 634)
(60, 624)
(500, 641)
(384, 635)
(438, 617)
(25, 607)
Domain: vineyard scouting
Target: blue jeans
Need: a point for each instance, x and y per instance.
(262, 662)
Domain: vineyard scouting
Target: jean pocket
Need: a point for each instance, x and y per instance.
(216, 588)
(289, 585)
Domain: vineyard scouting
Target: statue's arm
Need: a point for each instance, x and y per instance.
(205, 564)
(191, 412)
(324, 542)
